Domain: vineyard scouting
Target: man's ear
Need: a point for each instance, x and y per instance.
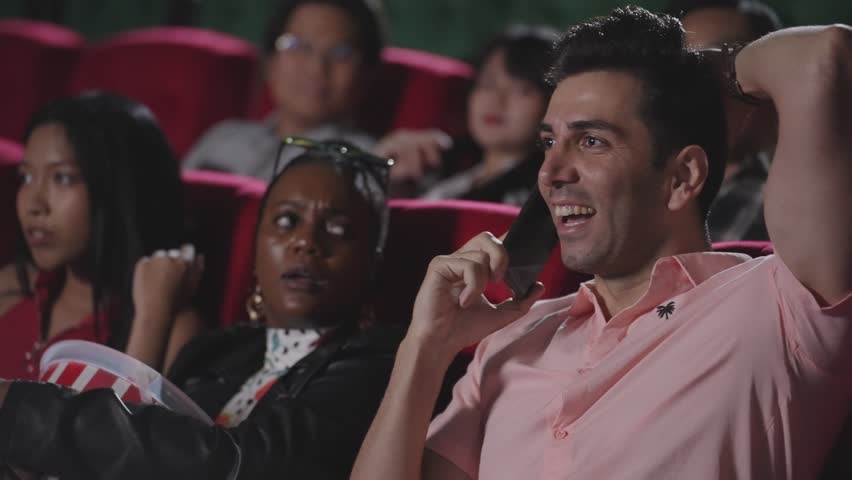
(688, 172)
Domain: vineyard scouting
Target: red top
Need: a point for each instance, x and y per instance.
(21, 344)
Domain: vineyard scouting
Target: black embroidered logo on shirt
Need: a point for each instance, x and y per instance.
(666, 310)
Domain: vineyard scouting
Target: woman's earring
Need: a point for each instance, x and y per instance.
(254, 304)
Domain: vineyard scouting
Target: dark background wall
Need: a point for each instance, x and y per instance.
(450, 27)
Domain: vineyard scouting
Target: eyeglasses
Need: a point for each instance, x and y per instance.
(341, 53)
(376, 166)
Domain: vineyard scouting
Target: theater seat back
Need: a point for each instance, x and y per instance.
(751, 248)
(37, 59)
(240, 274)
(190, 78)
(213, 203)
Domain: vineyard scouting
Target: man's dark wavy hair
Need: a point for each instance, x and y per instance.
(681, 102)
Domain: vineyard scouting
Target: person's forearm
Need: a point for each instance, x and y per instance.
(787, 64)
(149, 336)
(807, 72)
(393, 448)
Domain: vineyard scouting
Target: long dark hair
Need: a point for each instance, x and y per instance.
(135, 199)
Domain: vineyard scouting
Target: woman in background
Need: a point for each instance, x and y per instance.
(505, 107)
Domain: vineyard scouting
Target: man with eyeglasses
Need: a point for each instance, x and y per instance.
(320, 54)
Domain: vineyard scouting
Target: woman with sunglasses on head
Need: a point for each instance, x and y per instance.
(100, 189)
(293, 396)
(320, 55)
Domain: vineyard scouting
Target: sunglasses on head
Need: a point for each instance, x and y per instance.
(377, 166)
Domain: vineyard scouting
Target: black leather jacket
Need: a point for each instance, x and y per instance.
(309, 425)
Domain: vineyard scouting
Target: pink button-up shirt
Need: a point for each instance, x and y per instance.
(725, 368)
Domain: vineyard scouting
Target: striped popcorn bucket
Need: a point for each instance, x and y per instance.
(82, 377)
(82, 366)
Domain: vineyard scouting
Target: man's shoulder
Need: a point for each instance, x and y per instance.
(750, 267)
(238, 125)
(763, 279)
(235, 146)
(334, 131)
(235, 130)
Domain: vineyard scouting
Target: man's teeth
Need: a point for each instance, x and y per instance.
(571, 210)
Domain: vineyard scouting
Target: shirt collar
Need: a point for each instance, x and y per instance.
(670, 276)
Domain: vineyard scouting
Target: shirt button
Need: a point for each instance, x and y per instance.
(560, 434)
(30, 369)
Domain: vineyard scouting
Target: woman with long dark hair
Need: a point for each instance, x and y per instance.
(100, 189)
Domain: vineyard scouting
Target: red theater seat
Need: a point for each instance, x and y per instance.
(749, 247)
(423, 90)
(213, 203)
(37, 60)
(10, 154)
(240, 276)
(190, 78)
(412, 89)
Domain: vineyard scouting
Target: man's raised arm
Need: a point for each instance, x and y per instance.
(807, 72)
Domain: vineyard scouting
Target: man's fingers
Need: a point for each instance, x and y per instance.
(456, 269)
(498, 258)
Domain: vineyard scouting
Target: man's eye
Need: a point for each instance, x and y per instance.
(546, 143)
(25, 178)
(591, 142)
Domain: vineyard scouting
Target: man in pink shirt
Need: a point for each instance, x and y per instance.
(673, 362)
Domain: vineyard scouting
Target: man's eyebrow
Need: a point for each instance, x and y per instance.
(596, 125)
(585, 125)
